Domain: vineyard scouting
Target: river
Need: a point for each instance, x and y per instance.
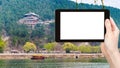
(49, 64)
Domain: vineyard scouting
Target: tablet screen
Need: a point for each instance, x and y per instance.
(81, 25)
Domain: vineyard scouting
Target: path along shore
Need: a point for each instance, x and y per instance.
(49, 55)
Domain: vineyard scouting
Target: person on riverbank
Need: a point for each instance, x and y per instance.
(110, 46)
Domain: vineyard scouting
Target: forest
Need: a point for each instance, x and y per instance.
(13, 10)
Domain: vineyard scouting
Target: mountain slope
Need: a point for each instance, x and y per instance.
(112, 3)
(12, 10)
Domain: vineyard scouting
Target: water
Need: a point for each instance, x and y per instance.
(42, 64)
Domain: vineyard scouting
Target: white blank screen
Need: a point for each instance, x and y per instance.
(81, 25)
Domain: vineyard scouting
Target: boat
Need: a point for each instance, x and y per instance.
(38, 57)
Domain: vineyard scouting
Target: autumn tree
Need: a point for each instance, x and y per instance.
(50, 46)
(96, 49)
(85, 48)
(69, 46)
(29, 47)
(89, 49)
(2, 45)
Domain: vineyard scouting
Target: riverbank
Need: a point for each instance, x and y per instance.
(49, 55)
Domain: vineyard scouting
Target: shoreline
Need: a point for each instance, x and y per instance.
(50, 55)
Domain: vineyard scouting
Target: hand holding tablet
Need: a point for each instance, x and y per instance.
(80, 25)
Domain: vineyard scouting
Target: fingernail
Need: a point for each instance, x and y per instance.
(107, 20)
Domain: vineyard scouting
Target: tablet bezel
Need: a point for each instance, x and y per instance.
(57, 24)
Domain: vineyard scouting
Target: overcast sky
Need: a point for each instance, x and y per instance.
(113, 3)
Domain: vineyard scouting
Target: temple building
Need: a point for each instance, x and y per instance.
(30, 19)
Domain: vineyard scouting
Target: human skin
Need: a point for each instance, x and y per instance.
(110, 45)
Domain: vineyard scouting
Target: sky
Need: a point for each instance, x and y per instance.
(113, 3)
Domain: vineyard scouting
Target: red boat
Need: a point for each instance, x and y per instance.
(38, 57)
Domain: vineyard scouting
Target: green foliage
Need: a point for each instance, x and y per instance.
(13, 10)
(85, 48)
(96, 49)
(50, 46)
(38, 32)
(19, 34)
(29, 47)
(69, 46)
(51, 33)
(1, 27)
(2, 45)
(89, 49)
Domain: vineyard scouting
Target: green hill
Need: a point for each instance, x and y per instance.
(12, 10)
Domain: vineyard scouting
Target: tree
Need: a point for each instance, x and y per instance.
(69, 46)
(51, 33)
(96, 49)
(2, 45)
(89, 49)
(81, 48)
(18, 33)
(29, 47)
(50, 46)
(38, 31)
(85, 48)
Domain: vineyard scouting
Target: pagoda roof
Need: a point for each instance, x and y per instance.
(31, 13)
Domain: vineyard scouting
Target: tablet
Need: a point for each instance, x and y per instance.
(80, 25)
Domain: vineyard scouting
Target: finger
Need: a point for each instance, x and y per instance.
(104, 51)
(102, 47)
(108, 25)
(114, 26)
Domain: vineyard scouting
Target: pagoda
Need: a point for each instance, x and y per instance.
(30, 19)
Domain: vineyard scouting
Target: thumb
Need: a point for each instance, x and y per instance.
(108, 26)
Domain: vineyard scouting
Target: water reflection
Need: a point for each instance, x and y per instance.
(47, 64)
